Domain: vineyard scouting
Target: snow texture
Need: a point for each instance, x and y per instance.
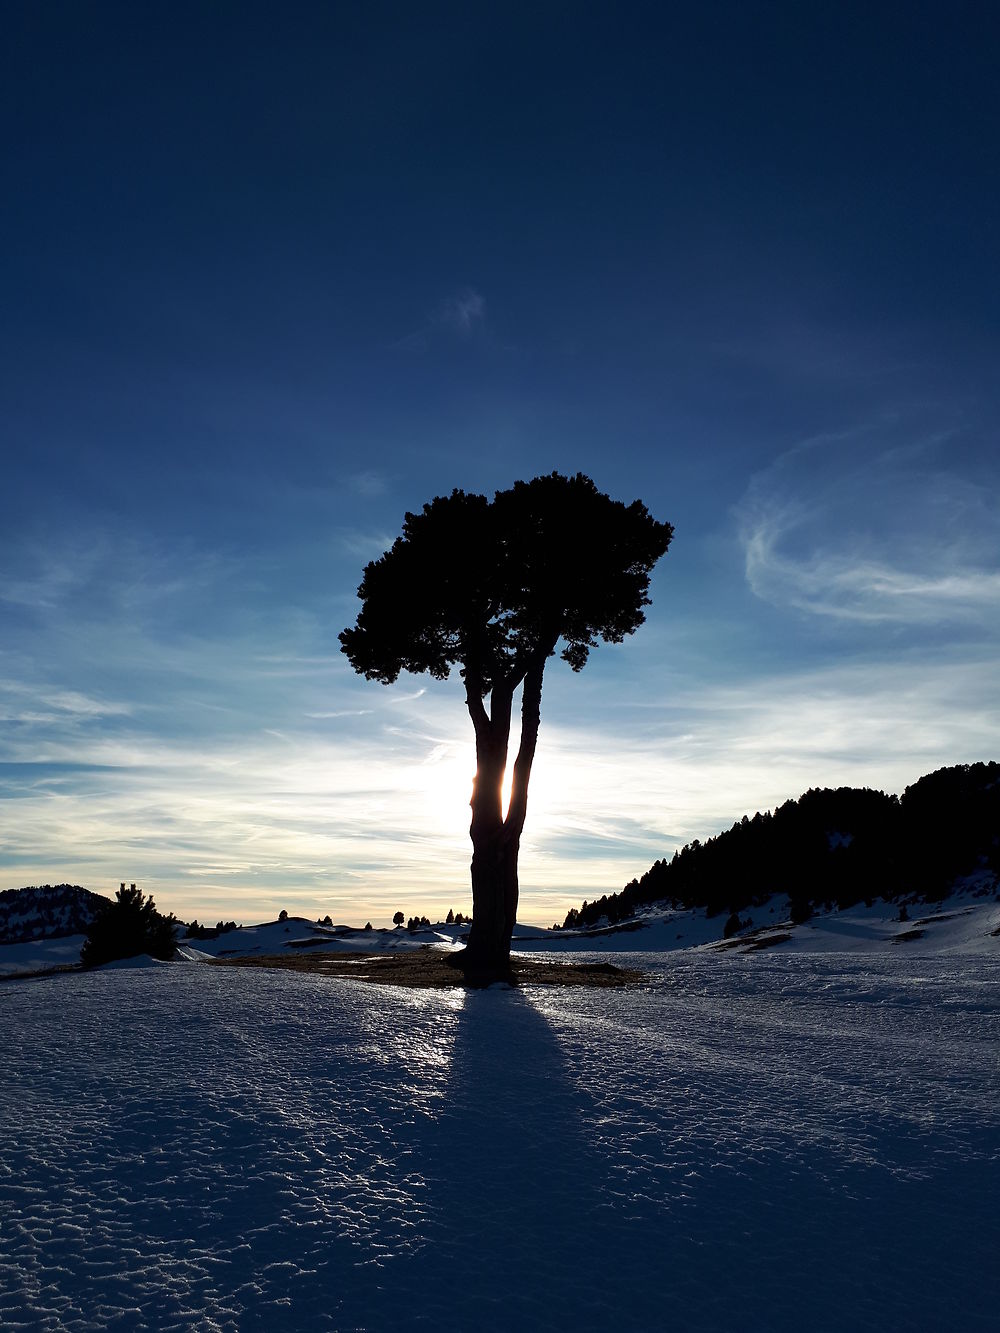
(782, 1141)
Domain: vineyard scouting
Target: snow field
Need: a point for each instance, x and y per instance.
(754, 1143)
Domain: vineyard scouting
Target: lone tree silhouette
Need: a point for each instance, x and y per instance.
(494, 587)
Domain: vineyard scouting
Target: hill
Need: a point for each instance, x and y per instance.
(48, 911)
(832, 847)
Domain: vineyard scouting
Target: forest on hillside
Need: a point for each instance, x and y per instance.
(833, 847)
(47, 911)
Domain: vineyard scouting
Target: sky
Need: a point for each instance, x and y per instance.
(272, 276)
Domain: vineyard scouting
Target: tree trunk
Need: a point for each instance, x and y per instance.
(531, 700)
(488, 947)
(496, 841)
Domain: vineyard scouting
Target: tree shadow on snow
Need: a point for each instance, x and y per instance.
(516, 1195)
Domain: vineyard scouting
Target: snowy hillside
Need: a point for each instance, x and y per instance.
(48, 911)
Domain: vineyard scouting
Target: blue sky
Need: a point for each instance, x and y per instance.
(274, 276)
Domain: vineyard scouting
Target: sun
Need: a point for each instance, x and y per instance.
(445, 778)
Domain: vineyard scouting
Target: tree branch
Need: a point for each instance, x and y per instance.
(474, 700)
(531, 701)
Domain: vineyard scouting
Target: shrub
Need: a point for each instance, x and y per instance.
(128, 927)
(801, 910)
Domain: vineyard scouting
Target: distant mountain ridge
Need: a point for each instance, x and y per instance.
(833, 847)
(47, 911)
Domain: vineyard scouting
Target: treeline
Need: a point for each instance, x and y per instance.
(198, 932)
(830, 847)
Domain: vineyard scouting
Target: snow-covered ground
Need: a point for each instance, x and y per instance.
(775, 1141)
(40, 955)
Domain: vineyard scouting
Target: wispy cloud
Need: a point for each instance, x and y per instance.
(367, 483)
(366, 545)
(24, 701)
(461, 314)
(853, 528)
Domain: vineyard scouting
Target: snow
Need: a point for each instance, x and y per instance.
(297, 932)
(779, 1141)
(40, 955)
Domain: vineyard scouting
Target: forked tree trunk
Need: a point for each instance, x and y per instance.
(496, 840)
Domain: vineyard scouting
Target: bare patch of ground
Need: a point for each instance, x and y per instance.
(941, 916)
(430, 968)
(767, 942)
(764, 937)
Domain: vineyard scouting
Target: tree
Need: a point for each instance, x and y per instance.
(128, 927)
(283, 914)
(493, 587)
(398, 919)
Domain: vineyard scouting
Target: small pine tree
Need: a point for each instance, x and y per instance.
(801, 910)
(732, 926)
(128, 927)
(450, 918)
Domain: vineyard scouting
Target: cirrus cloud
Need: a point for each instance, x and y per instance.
(860, 528)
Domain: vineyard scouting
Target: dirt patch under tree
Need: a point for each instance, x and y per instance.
(433, 968)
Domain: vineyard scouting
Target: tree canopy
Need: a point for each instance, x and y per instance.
(491, 585)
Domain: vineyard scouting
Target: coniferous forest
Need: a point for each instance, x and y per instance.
(835, 847)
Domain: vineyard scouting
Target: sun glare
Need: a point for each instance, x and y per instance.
(445, 780)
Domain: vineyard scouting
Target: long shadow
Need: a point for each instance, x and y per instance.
(517, 1201)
